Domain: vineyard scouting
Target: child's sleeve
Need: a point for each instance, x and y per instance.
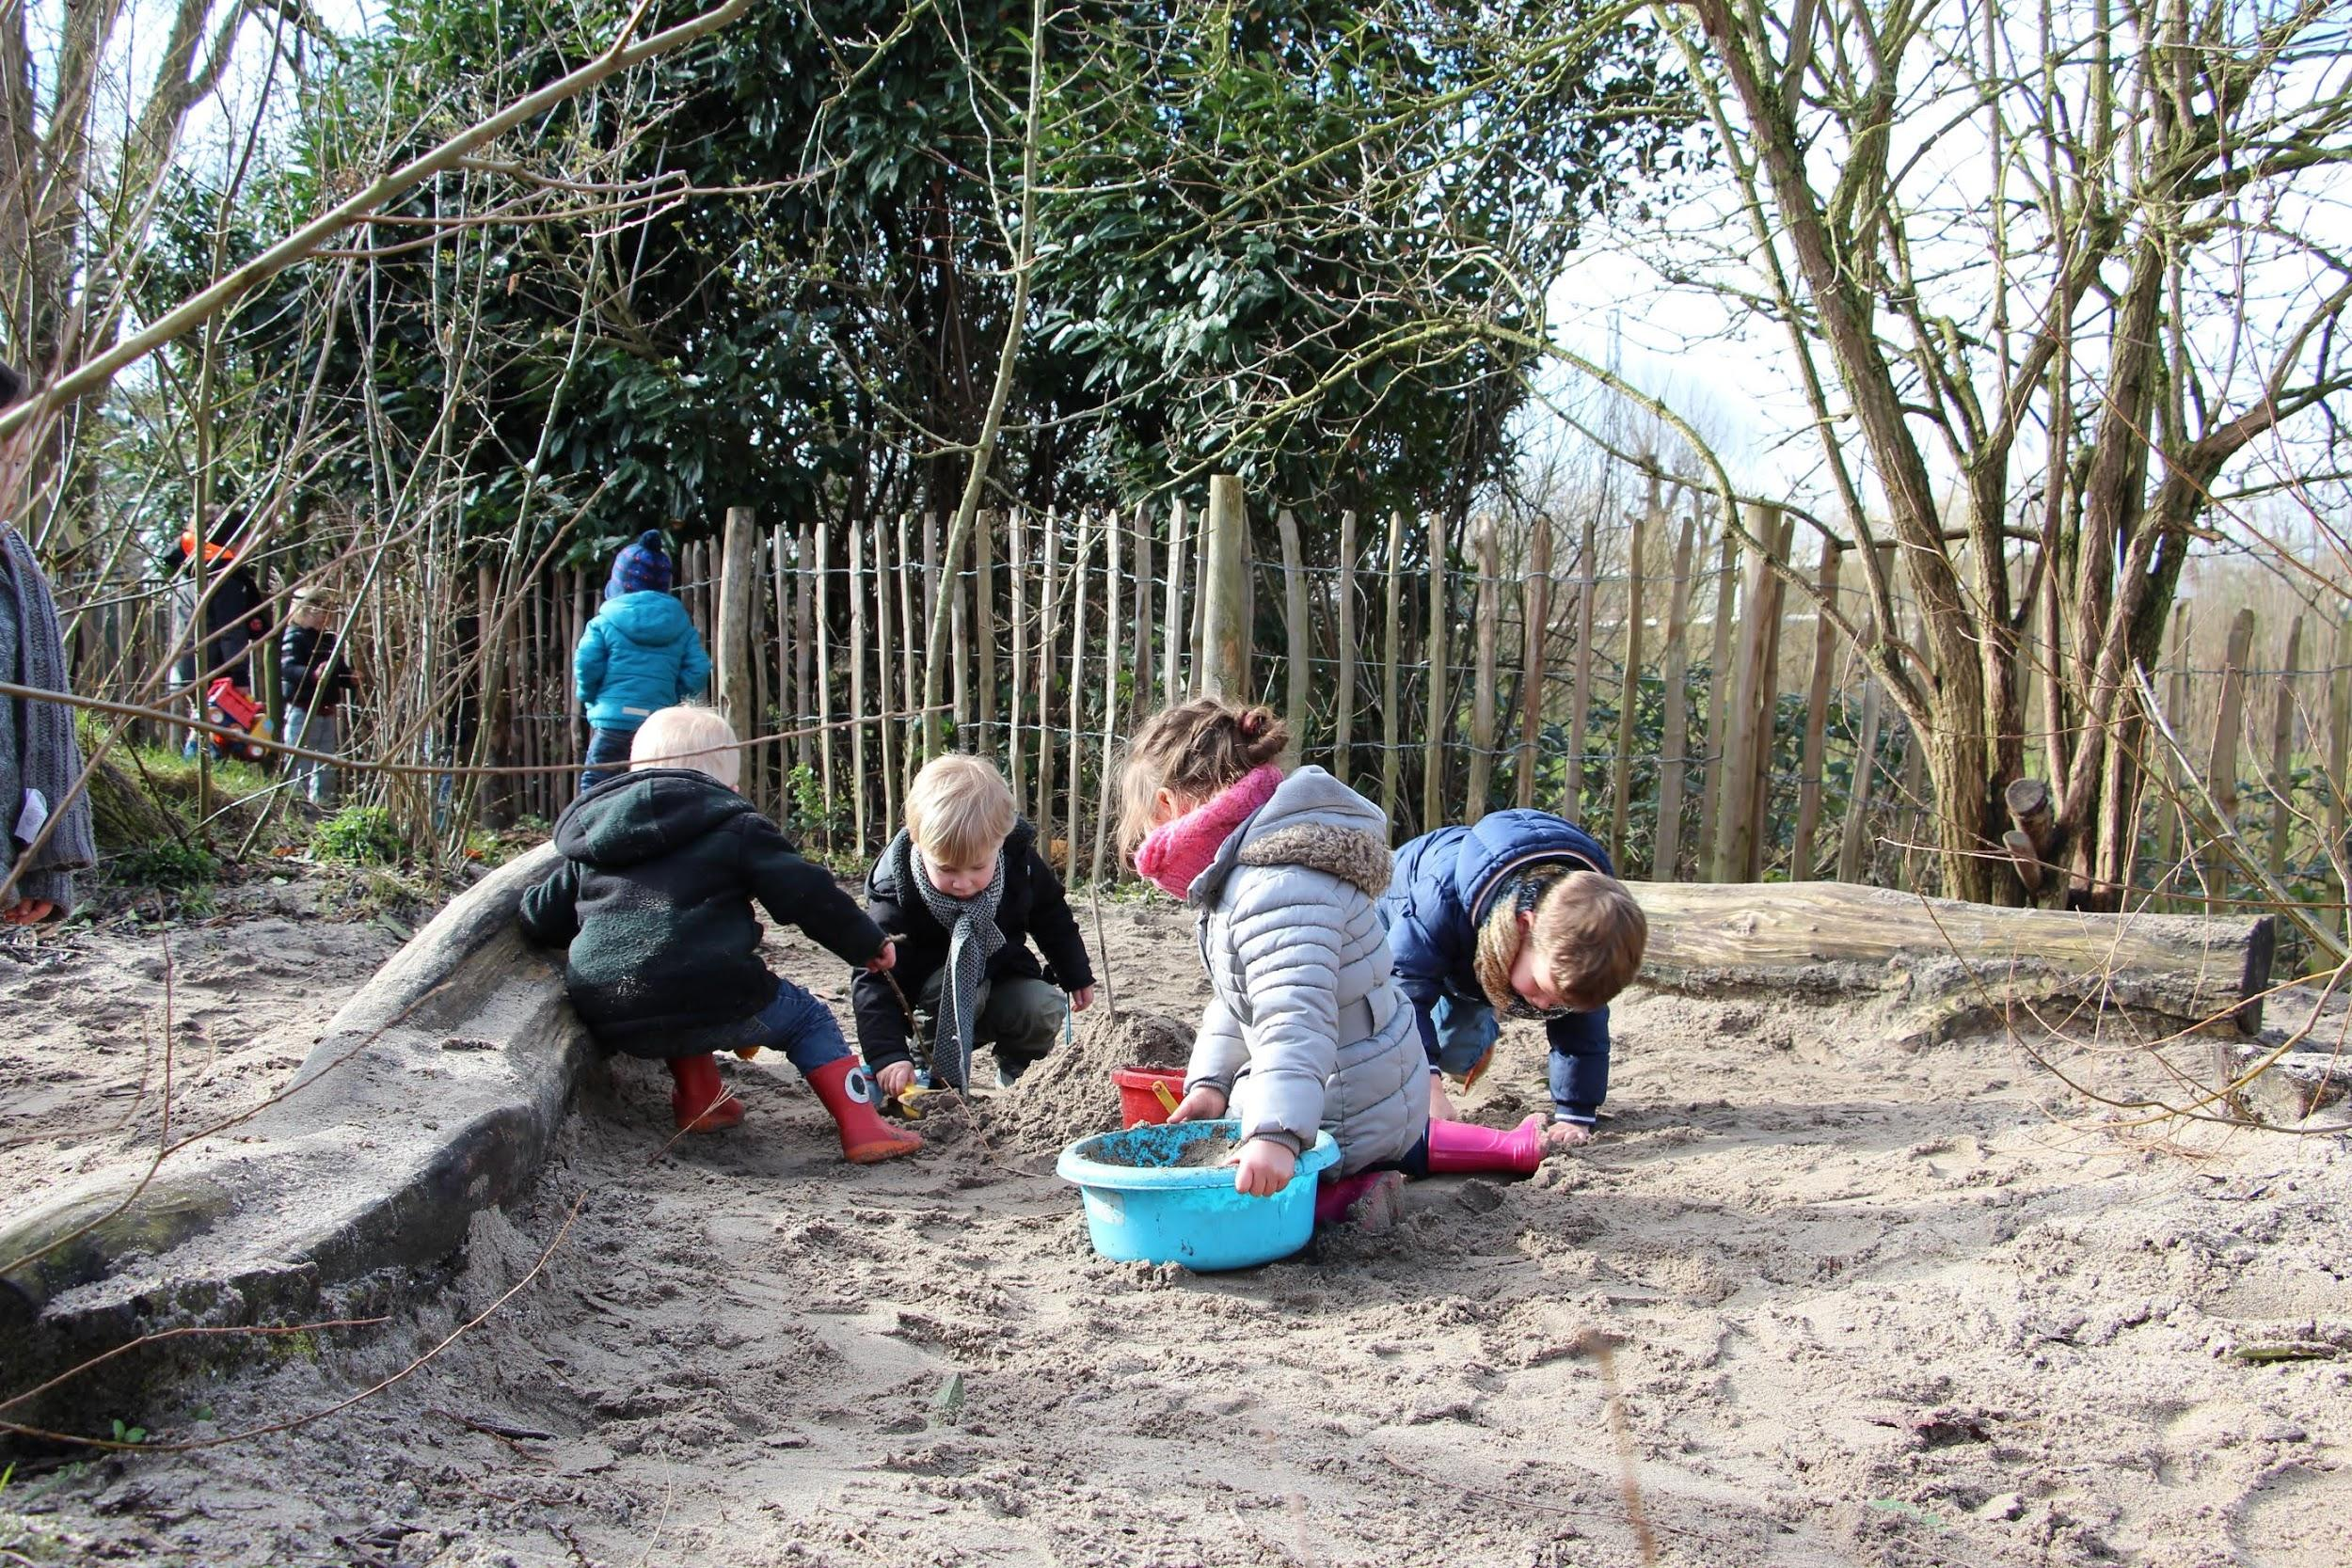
(1056, 929)
(1218, 1051)
(799, 894)
(1579, 1065)
(882, 1020)
(693, 676)
(549, 912)
(588, 664)
(1290, 964)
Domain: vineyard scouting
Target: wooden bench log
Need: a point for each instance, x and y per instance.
(1965, 964)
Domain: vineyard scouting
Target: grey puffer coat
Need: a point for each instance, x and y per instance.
(1305, 1028)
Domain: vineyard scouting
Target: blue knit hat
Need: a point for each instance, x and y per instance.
(641, 567)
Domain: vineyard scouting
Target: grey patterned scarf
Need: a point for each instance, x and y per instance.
(972, 938)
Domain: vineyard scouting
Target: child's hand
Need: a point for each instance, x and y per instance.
(1561, 1136)
(896, 1078)
(1263, 1169)
(1081, 999)
(1205, 1103)
(886, 959)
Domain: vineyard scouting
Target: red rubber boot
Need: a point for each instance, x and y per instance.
(848, 1093)
(1456, 1147)
(699, 1101)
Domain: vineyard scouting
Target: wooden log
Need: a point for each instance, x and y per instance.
(2221, 770)
(1482, 760)
(1719, 689)
(1674, 742)
(1077, 698)
(984, 625)
(1580, 693)
(1173, 681)
(1343, 685)
(1536, 616)
(2339, 754)
(2282, 753)
(857, 688)
(1964, 965)
(1390, 728)
(739, 568)
(1295, 659)
(1816, 720)
(890, 638)
(1440, 699)
(1225, 593)
(1630, 685)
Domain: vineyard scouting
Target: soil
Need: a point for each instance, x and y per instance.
(1857, 1304)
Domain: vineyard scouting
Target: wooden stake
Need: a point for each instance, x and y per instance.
(1295, 628)
(2282, 753)
(1343, 687)
(1629, 686)
(1816, 723)
(910, 658)
(1735, 825)
(984, 625)
(1440, 705)
(1482, 760)
(857, 688)
(2221, 773)
(1111, 532)
(1225, 592)
(1535, 611)
(1718, 685)
(1673, 746)
(1390, 734)
(1581, 703)
(1077, 697)
(820, 630)
(1768, 715)
(1048, 606)
(1141, 660)
(2168, 809)
(2339, 753)
(1173, 679)
(886, 645)
(958, 653)
(1017, 523)
(739, 570)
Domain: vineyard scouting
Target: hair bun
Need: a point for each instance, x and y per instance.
(1251, 723)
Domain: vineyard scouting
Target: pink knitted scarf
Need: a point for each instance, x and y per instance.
(1179, 849)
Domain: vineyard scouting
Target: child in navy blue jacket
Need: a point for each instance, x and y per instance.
(1520, 914)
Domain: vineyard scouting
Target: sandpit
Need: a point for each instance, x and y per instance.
(1871, 1302)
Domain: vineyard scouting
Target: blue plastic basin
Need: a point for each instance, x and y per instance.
(1141, 1206)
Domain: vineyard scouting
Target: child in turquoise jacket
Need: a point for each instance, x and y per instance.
(639, 655)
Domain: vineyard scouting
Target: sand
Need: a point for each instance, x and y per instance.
(1863, 1305)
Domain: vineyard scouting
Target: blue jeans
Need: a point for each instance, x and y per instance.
(605, 748)
(313, 731)
(1466, 1033)
(795, 1023)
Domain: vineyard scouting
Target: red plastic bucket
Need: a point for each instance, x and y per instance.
(1140, 1094)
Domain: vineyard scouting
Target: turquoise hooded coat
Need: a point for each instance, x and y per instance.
(640, 653)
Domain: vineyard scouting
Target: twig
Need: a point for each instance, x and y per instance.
(1602, 1348)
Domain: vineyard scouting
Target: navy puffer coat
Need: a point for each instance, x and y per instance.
(1446, 883)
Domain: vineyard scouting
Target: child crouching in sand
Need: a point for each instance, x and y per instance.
(1305, 1027)
(653, 900)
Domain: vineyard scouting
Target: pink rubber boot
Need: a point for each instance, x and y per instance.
(1367, 1198)
(1456, 1147)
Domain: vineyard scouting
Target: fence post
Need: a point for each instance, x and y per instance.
(1535, 611)
(1675, 739)
(1294, 630)
(1581, 703)
(1343, 687)
(1047, 607)
(1440, 706)
(2282, 753)
(2221, 769)
(959, 655)
(1816, 722)
(1759, 817)
(821, 628)
(1142, 664)
(1172, 635)
(1483, 678)
(738, 570)
(2176, 703)
(1718, 702)
(1225, 593)
(1630, 686)
(909, 677)
(1017, 555)
(892, 741)
(1734, 825)
(984, 623)
(2339, 753)
(1390, 732)
(857, 686)
(1110, 696)
(1077, 832)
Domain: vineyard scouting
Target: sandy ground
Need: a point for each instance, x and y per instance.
(1868, 1305)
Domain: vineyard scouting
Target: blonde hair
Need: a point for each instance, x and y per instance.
(687, 736)
(1193, 749)
(960, 810)
(314, 608)
(1591, 927)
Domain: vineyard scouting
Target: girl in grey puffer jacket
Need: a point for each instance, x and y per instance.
(1305, 1026)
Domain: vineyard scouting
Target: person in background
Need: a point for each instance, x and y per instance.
(315, 680)
(640, 655)
(44, 815)
(234, 617)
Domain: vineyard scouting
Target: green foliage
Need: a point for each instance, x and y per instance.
(128, 1434)
(360, 835)
(167, 865)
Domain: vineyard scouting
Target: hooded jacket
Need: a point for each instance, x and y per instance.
(1033, 904)
(1447, 882)
(1305, 1027)
(638, 655)
(654, 899)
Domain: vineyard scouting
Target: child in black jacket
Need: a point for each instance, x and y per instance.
(964, 889)
(315, 680)
(653, 900)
